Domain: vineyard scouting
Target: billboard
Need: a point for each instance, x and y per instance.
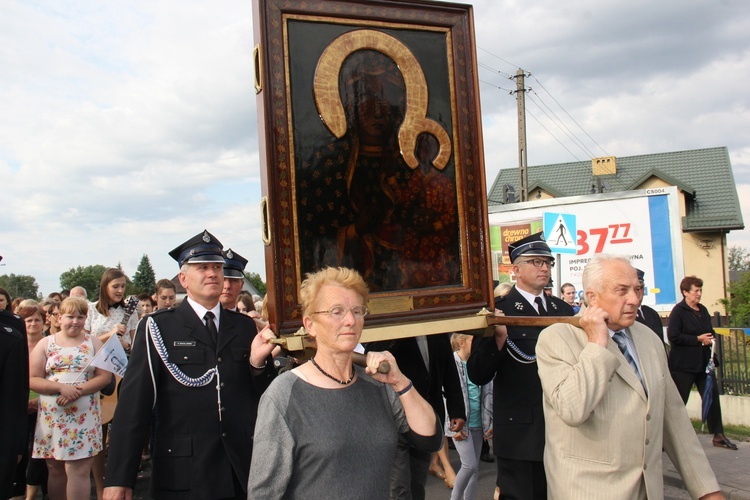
(642, 225)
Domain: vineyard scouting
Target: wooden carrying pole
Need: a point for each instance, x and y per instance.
(479, 324)
(540, 321)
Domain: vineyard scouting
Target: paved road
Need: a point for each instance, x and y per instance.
(731, 468)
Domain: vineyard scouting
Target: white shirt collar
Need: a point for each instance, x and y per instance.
(624, 331)
(201, 311)
(530, 297)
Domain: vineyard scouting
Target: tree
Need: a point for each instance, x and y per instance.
(88, 277)
(20, 286)
(257, 282)
(144, 279)
(739, 259)
(738, 304)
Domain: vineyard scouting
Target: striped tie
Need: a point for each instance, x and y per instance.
(622, 343)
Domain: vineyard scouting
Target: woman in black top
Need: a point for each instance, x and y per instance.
(690, 335)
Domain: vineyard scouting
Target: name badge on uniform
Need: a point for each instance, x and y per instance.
(184, 343)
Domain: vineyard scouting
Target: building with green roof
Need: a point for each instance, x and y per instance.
(709, 205)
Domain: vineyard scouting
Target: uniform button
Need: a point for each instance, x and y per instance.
(511, 419)
(185, 358)
(222, 409)
(169, 450)
(647, 441)
(218, 359)
(648, 417)
(223, 434)
(222, 384)
(645, 466)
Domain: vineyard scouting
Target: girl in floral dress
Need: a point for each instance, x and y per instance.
(68, 429)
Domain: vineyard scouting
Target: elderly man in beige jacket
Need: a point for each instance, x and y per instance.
(609, 402)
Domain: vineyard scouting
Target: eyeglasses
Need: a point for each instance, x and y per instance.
(539, 262)
(339, 312)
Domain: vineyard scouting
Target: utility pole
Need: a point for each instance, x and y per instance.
(521, 101)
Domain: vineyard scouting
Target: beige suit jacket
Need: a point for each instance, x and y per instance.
(604, 436)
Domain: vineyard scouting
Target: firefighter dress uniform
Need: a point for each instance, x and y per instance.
(204, 397)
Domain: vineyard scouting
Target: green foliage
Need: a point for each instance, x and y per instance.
(738, 304)
(88, 277)
(257, 282)
(20, 286)
(130, 288)
(738, 259)
(144, 279)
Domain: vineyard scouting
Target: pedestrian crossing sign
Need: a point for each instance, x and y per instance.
(560, 232)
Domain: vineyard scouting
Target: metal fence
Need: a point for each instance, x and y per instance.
(733, 374)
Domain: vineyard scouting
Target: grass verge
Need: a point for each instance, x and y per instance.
(735, 432)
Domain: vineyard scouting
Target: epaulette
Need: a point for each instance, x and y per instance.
(499, 300)
(232, 311)
(12, 320)
(162, 311)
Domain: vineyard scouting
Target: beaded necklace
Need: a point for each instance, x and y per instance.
(342, 382)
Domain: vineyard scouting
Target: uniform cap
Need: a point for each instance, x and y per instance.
(531, 246)
(203, 247)
(234, 264)
(640, 274)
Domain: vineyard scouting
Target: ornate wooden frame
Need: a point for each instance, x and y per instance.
(300, 52)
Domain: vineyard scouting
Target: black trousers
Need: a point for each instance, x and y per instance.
(684, 382)
(409, 472)
(521, 479)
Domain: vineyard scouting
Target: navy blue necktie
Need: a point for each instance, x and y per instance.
(211, 325)
(540, 306)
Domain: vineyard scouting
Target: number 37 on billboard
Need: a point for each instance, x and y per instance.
(642, 225)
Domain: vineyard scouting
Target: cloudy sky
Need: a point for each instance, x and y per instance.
(127, 127)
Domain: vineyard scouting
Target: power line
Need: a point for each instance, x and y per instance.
(496, 71)
(619, 178)
(509, 91)
(500, 58)
(563, 128)
(574, 121)
(553, 135)
(557, 120)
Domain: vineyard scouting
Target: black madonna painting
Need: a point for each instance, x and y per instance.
(381, 164)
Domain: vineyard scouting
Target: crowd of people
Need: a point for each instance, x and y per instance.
(572, 411)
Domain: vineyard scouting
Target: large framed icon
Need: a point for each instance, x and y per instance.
(371, 154)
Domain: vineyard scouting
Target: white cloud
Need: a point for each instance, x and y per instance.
(128, 127)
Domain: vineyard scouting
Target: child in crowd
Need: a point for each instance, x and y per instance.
(468, 442)
(68, 429)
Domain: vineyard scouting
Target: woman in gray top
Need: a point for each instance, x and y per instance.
(328, 429)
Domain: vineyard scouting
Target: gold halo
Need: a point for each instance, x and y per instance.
(328, 100)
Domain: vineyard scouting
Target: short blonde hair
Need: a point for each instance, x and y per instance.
(28, 303)
(74, 305)
(337, 276)
(502, 289)
(456, 338)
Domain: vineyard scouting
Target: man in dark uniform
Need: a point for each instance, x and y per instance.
(647, 315)
(234, 278)
(14, 394)
(202, 370)
(428, 362)
(518, 413)
(548, 288)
